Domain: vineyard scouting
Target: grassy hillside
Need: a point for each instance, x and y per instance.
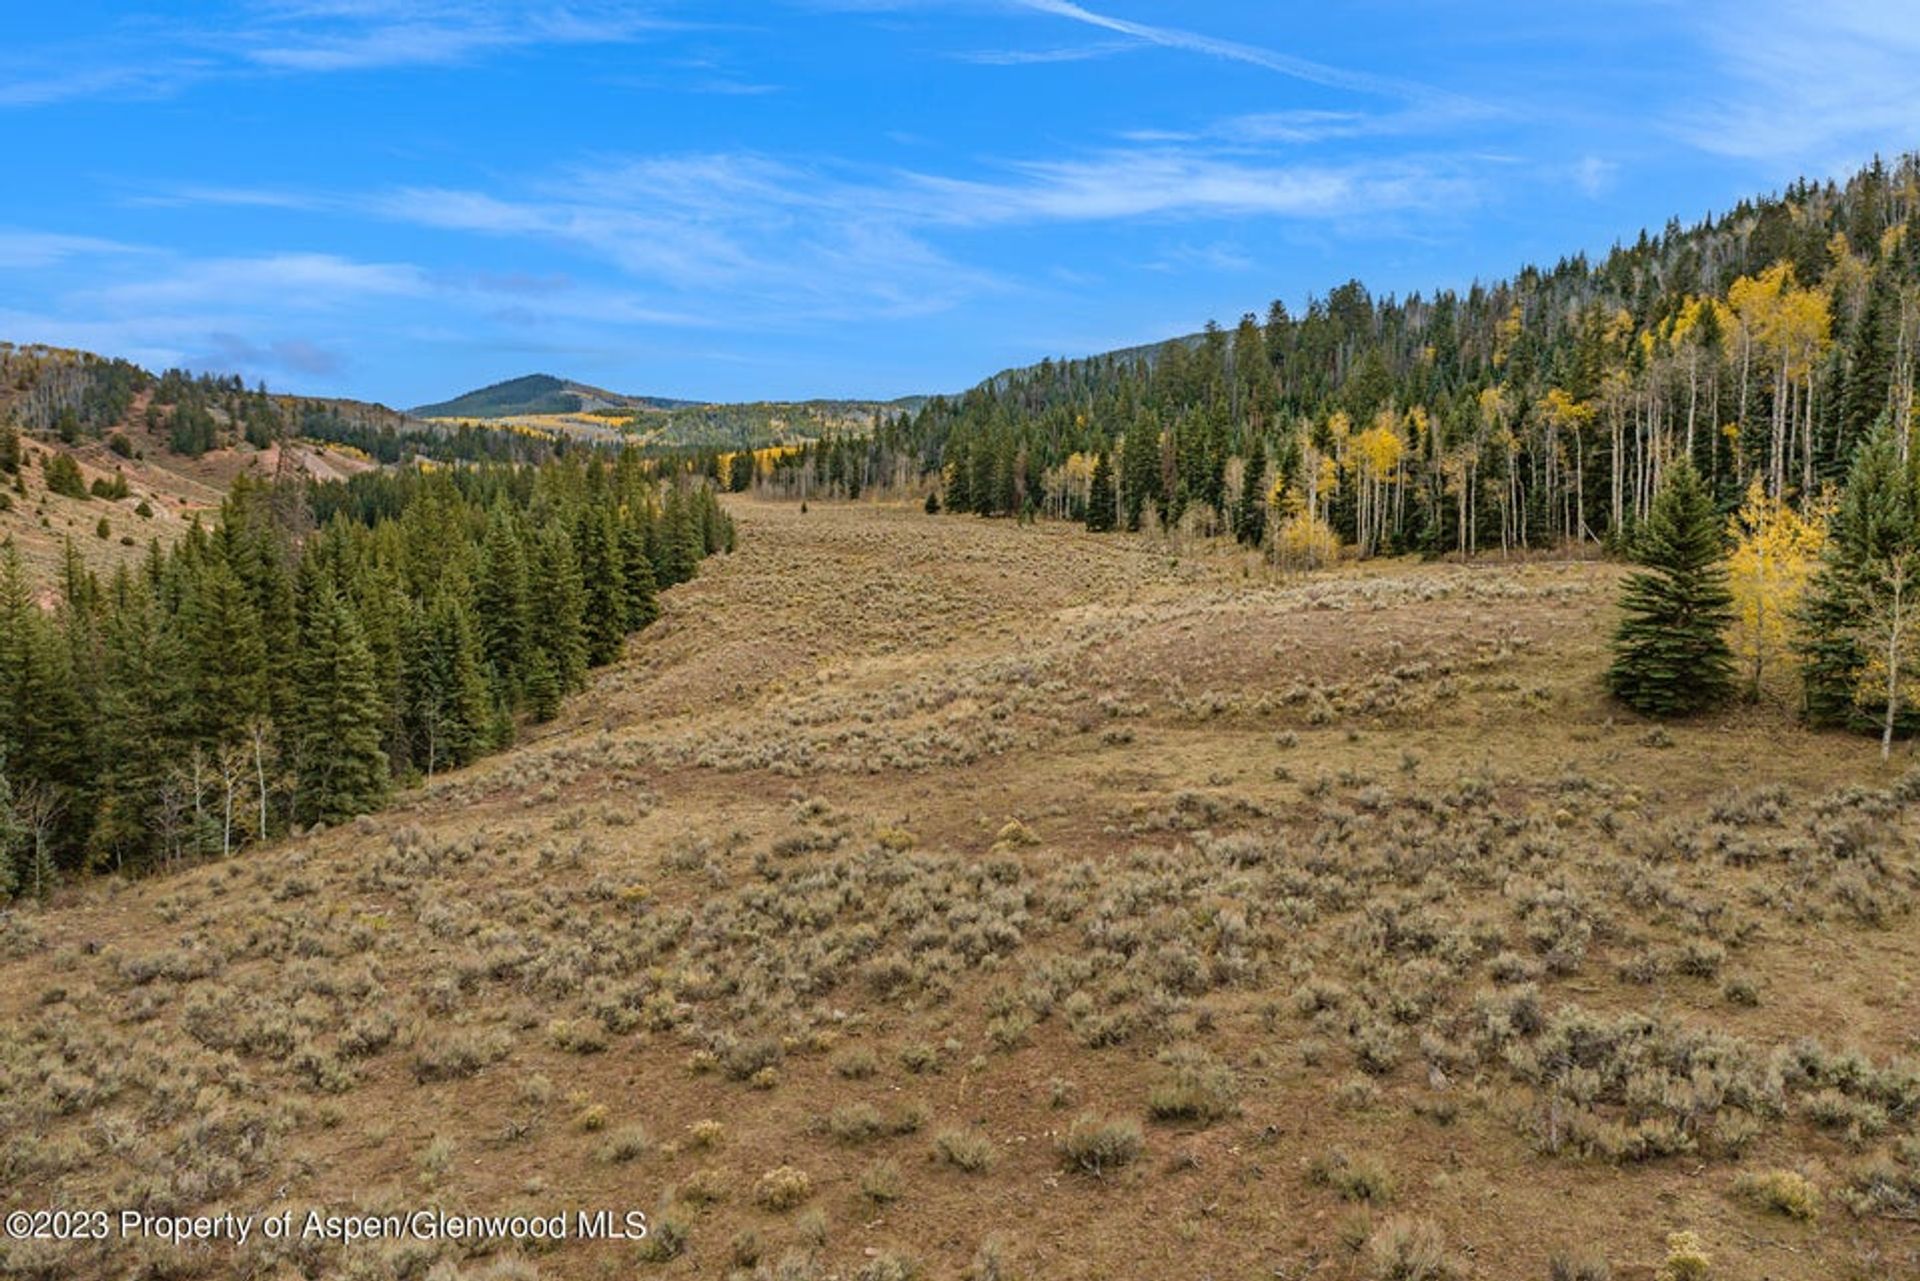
(165, 491)
(1004, 901)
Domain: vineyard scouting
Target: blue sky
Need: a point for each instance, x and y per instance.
(401, 199)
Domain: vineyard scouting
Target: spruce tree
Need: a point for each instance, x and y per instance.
(1100, 498)
(341, 768)
(500, 601)
(558, 603)
(1670, 651)
(1250, 514)
(1875, 529)
(451, 708)
(226, 652)
(636, 576)
(1140, 470)
(141, 710)
(604, 612)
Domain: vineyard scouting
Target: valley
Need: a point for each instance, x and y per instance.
(950, 897)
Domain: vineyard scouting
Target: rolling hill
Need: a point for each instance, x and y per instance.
(540, 394)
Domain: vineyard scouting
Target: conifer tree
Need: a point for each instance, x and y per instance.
(342, 770)
(500, 602)
(683, 539)
(604, 609)
(1857, 620)
(543, 686)
(1670, 651)
(959, 479)
(451, 709)
(142, 714)
(1100, 497)
(1140, 470)
(558, 602)
(226, 654)
(1250, 513)
(636, 576)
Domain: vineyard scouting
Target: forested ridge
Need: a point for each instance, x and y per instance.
(1529, 413)
(316, 644)
(76, 397)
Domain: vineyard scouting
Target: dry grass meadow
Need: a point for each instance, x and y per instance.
(944, 898)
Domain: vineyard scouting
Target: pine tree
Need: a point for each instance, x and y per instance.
(1869, 362)
(500, 603)
(543, 687)
(959, 479)
(1864, 584)
(1100, 498)
(1670, 651)
(142, 714)
(451, 709)
(636, 576)
(1140, 470)
(604, 611)
(558, 603)
(684, 543)
(341, 768)
(1250, 514)
(225, 652)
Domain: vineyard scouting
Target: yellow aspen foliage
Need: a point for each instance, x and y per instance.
(1776, 550)
(1507, 334)
(1304, 541)
(1560, 408)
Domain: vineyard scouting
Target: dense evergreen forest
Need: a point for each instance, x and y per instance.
(316, 645)
(1530, 413)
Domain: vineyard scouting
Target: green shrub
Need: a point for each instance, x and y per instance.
(1095, 1146)
(1781, 1192)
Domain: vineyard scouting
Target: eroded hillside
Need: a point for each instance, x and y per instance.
(1003, 901)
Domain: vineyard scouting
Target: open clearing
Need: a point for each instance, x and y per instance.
(909, 870)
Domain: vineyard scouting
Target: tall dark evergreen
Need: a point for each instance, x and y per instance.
(640, 591)
(342, 770)
(1875, 531)
(1670, 651)
(500, 602)
(1140, 470)
(452, 710)
(604, 602)
(558, 608)
(1101, 502)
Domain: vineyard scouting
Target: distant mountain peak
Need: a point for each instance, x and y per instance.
(534, 394)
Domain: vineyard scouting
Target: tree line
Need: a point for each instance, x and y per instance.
(317, 645)
(1835, 594)
(1541, 411)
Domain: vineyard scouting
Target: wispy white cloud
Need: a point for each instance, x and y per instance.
(149, 58)
(295, 281)
(1182, 182)
(1594, 176)
(1042, 57)
(1285, 64)
(1805, 85)
(31, 250)
(362, 37)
